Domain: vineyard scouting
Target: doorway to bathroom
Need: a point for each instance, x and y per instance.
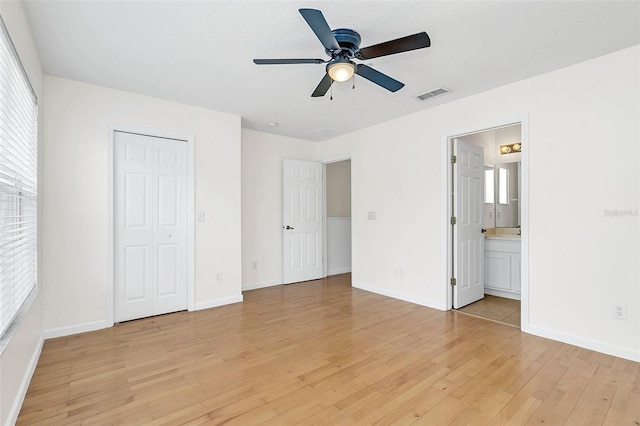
(486, 205)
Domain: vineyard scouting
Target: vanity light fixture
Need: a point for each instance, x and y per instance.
(510, 149)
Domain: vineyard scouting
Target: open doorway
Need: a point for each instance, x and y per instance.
(338, 217)
(490, 201)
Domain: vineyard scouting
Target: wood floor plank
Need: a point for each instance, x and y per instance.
(325, 353)
(625, 405)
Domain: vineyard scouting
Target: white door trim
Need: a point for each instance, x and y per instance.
(127, 128)
(446, 235)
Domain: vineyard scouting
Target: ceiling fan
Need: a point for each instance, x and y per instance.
(343, 45)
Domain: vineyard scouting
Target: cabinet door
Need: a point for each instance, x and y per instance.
(497, 270)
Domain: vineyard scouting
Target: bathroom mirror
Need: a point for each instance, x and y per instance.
(501, 192)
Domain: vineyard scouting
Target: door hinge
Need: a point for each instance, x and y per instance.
(453, 282)
(453, 220)
(453, 159)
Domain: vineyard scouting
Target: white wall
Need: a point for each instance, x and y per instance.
(20, 355)
(75, 192)
(262, 156)
(338, 245)
(584, 160)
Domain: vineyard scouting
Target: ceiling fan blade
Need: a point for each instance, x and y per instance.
(319, 25)
(379, 78)
(323, 87)
(287, 61)
(404, 44)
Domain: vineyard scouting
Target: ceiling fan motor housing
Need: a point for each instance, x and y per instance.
(349, 42)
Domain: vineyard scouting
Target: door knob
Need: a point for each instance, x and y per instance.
(169, 235)
(484, 230)
(288, 227)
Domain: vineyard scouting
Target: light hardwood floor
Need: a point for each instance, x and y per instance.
(495, 308)
(322, 352)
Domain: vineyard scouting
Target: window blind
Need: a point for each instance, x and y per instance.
(18, 183)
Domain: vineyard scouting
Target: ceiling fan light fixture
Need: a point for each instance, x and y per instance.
(341, 70)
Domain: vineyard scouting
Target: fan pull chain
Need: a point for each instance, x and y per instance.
(353, 81)
(331, 98)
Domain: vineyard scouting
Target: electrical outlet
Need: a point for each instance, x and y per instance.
(619, 311)
(219, 277)
(397, 272)
(254, 265)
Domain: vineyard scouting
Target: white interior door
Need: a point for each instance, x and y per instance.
(468, 208)
(150, 229)
(302, 220)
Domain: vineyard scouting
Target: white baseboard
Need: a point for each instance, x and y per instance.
(218, 302)
(75, 329)
(339, 271)
(12, 418)
(99, 325)
(401, 296)
(594, 345)
(500, 293)
(263, 284)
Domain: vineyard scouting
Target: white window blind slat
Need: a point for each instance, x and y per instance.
(18, 183)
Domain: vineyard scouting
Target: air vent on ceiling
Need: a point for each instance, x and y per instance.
(433, 93)
(327, 132)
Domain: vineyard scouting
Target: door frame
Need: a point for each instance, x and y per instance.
(143, 131)
(447, 234)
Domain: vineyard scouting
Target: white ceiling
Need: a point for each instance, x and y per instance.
(200, 52)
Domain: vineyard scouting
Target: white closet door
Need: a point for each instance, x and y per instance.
(150, 226)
